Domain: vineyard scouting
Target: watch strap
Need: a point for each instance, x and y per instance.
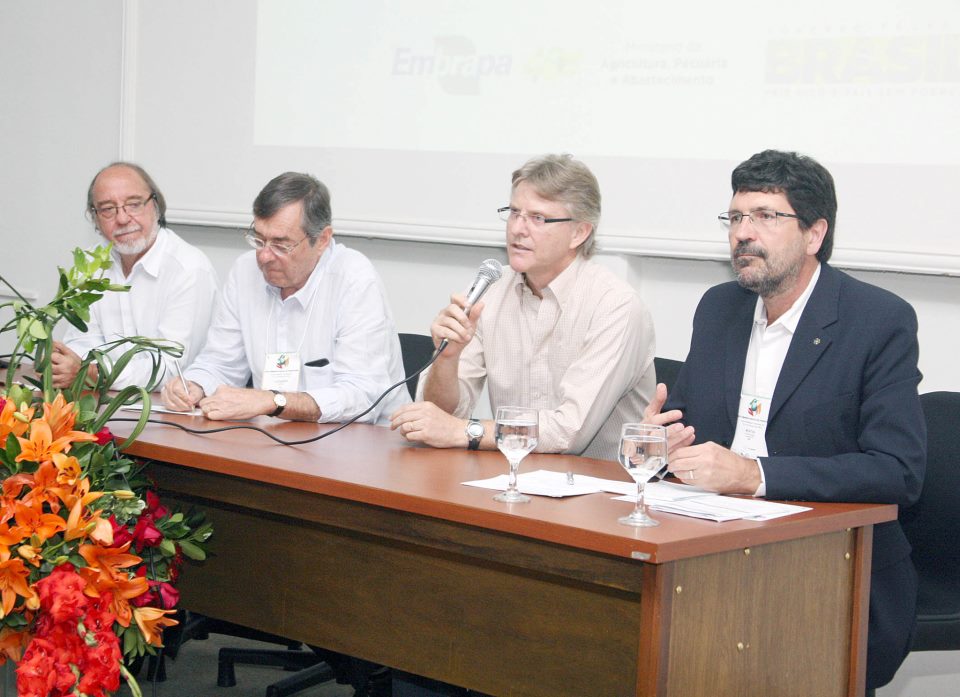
(473, 441)
(280, 407)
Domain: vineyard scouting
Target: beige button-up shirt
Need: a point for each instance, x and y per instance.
(582, 355)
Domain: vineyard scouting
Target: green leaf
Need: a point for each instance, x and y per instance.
(168, 547)
(192, 551)
(37, 330)
(130, 641)
(75, 320)
(13, 447)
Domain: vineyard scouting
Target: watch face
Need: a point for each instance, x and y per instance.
(475, 430)
(280, 399)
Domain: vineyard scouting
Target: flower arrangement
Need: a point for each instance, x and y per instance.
(89, 556)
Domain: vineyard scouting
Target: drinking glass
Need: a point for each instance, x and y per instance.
(517, 430)
(643, 453)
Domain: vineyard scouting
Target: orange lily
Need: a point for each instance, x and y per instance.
(68, 469)
(11, 424)
(13, 582)
(12, 644)
(45, 489)
(41, 444)
(30, 554)
(12, 486)
(79, 492)
(11, 536)
(151, 621)
(92, 526)
(32, 522)
(60, 416)
(106, 573)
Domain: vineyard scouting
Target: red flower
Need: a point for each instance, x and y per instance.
(121, 533)
(104, 436)
(74, 636)
(153, 506)
(100, 671)
(145, 534)
(161, 594)
(176, 563)
(61, 594)
(35, 674)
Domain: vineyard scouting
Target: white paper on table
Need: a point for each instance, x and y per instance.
(722, 508)
(160, 410)
(541, 483)
(665, 491)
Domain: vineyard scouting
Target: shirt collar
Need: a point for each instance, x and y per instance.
(791, 318)
(304, 296)
(152, 259)
(562, 286)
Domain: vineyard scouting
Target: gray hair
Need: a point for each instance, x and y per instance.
(155, 192)
(294, 187)
(570, 182)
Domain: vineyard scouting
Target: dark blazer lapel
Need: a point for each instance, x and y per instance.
(735, 353)
(814, 334)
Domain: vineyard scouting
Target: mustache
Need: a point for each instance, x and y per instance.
(745, 248)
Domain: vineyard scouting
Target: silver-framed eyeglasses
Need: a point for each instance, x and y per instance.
(509, 214)
(761, 217)
(131, 208)
(258, 243)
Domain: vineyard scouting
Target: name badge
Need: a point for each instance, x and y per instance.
(281, 372)
(751, 437)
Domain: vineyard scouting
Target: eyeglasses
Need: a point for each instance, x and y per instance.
(508, 214)
(763, 218)
(132, 208)
(258, 243)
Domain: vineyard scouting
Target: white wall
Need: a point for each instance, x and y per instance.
(59, 122)
(60, 71)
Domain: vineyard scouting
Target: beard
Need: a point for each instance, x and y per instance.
(764, 276)
(138, 246)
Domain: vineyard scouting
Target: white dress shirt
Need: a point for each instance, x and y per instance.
(582, 355)
(341, 314)
(173, 289)
(768, 350)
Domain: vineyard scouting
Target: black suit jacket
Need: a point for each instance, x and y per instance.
(845, 421)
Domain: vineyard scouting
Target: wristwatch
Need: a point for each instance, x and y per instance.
(280, 400)
(474, 434)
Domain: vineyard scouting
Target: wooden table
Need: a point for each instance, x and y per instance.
(368, 546)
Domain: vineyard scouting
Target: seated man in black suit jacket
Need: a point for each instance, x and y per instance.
(801, 381)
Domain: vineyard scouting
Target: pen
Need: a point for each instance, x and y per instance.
(183, 382)
(319, 363)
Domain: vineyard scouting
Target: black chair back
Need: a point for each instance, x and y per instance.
(667, 370)
(933, 527)
(416, 350)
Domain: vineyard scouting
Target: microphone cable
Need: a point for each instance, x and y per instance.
(281, 441)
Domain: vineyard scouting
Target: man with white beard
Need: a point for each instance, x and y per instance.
(173, 285)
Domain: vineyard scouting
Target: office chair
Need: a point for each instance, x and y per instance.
(667, 370)
(416, 350)
(933, 527)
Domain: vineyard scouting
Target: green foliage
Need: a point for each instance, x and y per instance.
(78, 288)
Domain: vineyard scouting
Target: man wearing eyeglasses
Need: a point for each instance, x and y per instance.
(559, 332)
(302, 316)
(173, 285)
(801, 381)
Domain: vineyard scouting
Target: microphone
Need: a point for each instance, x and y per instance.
(488, 274)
